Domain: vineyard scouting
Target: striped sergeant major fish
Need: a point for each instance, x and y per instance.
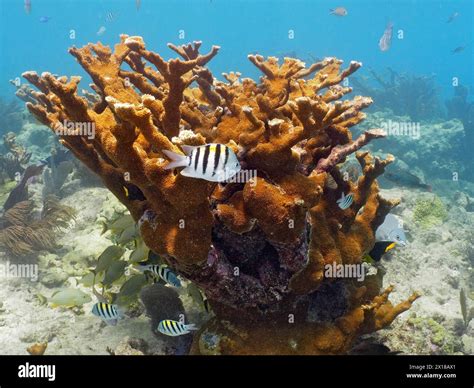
(110, 17)
(345, 201)
(174, 328)
(212, 162)
(163, 272)
(109, 313)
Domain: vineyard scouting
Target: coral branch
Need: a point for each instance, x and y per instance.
(338, 153)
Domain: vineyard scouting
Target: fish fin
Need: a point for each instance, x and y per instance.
(177, 160)
(187, 149)
(111, 322)
(340, 200)
(390, 246)
(140, 268)
(120, 312)
(105, 227)
(191, 326)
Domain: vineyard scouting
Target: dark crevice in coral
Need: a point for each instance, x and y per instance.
(246, 271)
(242, 250)
(328, 302)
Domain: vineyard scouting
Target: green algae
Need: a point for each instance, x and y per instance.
(429, 213)
(435, 333)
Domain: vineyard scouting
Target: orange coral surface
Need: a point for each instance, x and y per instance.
(292, 128)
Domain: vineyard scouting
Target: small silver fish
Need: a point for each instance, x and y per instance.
(345, 201)
(339, 11)
(457, 50)
(198, 297)
(148, 216)
(391, 230)
(101, 31)
(174, 328)
(27, 4)
(69, 297)
(452, 17)
(109, 313)
(386, 40)
(212, 162)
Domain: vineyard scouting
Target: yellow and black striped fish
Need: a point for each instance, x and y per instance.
(213, 162)
(109, 313)
(174, 328)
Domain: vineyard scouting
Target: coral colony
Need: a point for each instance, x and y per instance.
(258, 249)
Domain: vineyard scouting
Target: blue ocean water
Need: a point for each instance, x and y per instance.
(422, 43)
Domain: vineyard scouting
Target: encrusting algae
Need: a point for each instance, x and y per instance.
(257, 247)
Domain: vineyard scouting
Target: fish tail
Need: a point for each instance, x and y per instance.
(105, 228)
(120, 312)
(177, 160)
(140, 268)
(191, 327)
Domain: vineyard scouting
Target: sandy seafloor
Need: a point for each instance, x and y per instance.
(24, 320)
(437, 263)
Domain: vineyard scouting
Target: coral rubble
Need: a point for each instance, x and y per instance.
(256, 247)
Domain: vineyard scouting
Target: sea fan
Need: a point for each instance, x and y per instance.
(22, 234)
